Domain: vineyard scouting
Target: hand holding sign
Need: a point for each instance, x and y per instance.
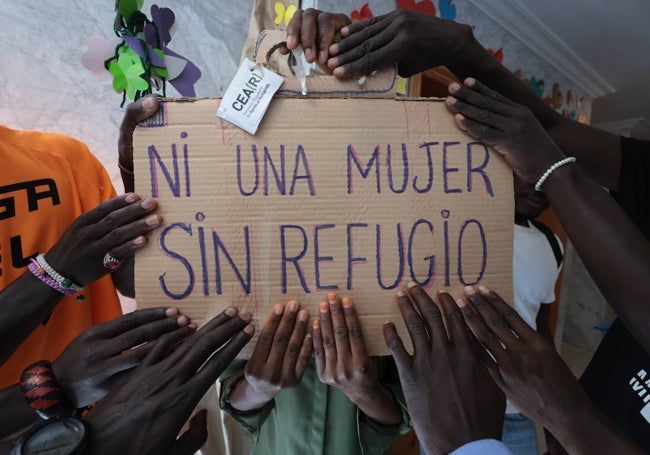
(342, 361)
(279, 359)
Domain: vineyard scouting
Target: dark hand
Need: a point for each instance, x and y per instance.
(510, 128)
(135, 113)
(315, 31)
(413, 41)
(117, 226)
(450, 396)
(527, 368)
(281, 355)
(146, 413)
(101, 357)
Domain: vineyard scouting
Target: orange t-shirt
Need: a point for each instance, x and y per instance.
(46, 181)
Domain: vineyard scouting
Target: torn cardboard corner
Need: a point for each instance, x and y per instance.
(381, 84)
(353, 196)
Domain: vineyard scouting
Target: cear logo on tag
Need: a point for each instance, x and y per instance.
(249, 89)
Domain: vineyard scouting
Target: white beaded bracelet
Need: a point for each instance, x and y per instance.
(549, 171)
(64, 282)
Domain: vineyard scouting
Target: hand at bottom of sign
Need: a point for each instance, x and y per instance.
(342, 361)
(279, 359)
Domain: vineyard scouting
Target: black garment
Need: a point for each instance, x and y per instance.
(618, 378)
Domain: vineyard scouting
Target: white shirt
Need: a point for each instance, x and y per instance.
(483, 447)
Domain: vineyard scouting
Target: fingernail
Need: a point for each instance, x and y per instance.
(153, 220)
(450, 100)
(231, 311)
(131, 197)
(303, 315)
(411, 285)
(309, 54)
(470, 81)
(469, 290)
(278, 309)
(147, 102)
(192, 326)
(315, 324)
(307, 336)
(322, 57)
(400, 294)
(338, 72)
(347, 302)
(169, 312)
(461, 303)
(249, 329)
(139, 241)
(148, 204)
(483, 289)
(324, 307)
(453, 87)
(293, 306)
(246, 316)
(182, 320)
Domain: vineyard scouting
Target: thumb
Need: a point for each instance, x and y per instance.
(135, 113)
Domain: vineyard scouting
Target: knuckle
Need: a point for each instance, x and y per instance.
(328, 341)
(431, 311)
(281, 339)
(342, 377)
(265, 339)
(392, 344)
(485, 336)
(456, 315)
(128, 321)
(356, 333)
(415, 324)
(293, 350)
(341, 332)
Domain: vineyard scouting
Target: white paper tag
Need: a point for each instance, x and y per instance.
(249, 95)
(301, 69)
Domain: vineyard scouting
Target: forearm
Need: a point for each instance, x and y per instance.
(16, 415)
(613, 250)
(26, 303)
(245, 398)
(588, 432)
(379, 405)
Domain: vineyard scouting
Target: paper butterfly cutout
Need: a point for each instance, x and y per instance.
(519, 75)
(363, 13)
(126, 72)
(424, 6)
(558, 98)
(283, 13)
(536, 86)
(497, 54)
(447, 10)
(142, 60)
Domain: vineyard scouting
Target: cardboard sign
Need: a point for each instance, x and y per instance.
(352, 196)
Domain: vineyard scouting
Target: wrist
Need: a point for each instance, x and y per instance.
(245, 397)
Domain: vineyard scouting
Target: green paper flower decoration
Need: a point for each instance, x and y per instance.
(127, 72)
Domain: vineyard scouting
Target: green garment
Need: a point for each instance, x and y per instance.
(315, 419)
